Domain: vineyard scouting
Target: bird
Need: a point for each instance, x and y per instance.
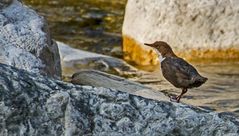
(176, 70)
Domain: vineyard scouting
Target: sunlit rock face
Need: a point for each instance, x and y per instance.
(36, 105)
(25, 42)
(194, 29)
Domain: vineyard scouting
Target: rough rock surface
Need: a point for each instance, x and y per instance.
(25, 41)
(73, 60)
(36, 105)
(195, 29)
(5, 3)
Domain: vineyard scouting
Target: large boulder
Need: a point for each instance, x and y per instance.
(25, 40)
(35, 105)
(198, 29)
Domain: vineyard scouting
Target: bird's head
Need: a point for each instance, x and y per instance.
(162, 47)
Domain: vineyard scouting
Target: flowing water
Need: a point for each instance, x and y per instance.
(95, 25)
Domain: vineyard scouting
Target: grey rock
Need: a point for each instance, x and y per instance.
(35, 105)
(25, 41)
(5, 3)
(100, 79)
(73, 60)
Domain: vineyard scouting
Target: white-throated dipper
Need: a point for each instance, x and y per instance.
(176, 70)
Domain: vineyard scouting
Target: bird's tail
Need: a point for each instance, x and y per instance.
(198, 81)
(202, 79)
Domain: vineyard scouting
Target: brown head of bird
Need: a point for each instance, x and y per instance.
(176, 70)
(163, 48)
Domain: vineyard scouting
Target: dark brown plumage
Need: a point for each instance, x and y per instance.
(176, 70)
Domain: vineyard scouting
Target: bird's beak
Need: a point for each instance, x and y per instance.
(148, 44)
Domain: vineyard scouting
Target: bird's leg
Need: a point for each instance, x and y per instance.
(184, 90)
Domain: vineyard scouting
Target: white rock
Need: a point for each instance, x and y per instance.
(185, 25)
(70, 54)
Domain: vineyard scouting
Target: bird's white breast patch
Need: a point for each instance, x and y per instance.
(161, 58)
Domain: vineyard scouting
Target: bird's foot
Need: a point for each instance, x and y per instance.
(174, 99)
(178, 99)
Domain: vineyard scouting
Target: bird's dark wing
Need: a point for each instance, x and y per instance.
(177, 71)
